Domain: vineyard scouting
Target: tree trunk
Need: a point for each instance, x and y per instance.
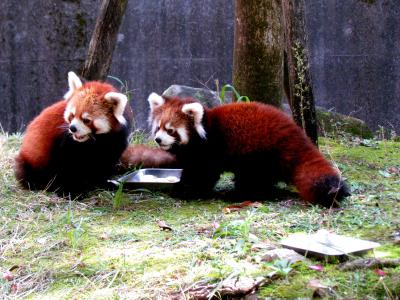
(257, 62)
(297, 78)
(103, 40)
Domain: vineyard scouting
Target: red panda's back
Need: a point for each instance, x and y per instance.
(40, 135)
(247, 127)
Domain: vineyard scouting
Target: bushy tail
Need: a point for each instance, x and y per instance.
(319, 182)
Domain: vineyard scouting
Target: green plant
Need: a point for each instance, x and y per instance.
(238, 97)
(236, 228)
(75, 228)
(124, 87)
(120, 199)
(281, 267)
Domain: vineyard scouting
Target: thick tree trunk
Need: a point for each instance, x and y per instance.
(103, 40)
(257, 62)
(297, 78)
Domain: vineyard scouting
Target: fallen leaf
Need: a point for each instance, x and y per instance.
(164, 226)
(228, 210)
(237, 207)
(319, 294)
(394, 170)
(13, 268)
(104, 236)
(318, 268)
(262, 246)
(316, 284)
(282, 253)
(8, 276)
(234, 288)
(379, 272)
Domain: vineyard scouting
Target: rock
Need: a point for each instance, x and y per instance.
(282, 253)
(207, 97)
(330, 122)
(333, 123)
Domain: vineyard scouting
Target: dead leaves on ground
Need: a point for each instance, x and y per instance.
(369, 263)
(235, 286)
(238, 207)
(164, 226)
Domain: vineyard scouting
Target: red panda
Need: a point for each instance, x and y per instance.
(258, 143)
(74, 145)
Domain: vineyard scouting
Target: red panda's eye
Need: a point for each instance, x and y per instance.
(71, 116)
(86, 121)
(170, 131)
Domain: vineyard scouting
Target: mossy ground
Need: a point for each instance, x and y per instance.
(62, 249)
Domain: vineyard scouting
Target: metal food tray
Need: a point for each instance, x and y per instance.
(327, 244)
(137, 179)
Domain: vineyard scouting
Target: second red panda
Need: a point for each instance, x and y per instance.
(257, 142)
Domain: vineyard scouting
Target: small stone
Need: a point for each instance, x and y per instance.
(282, 253)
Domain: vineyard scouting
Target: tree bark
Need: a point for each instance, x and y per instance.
(103, 39)
(297, 78)
(257, 62)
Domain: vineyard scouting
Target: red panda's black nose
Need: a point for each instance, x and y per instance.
(158, 140)
(72, 128)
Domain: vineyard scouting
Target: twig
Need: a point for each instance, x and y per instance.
(369, 263)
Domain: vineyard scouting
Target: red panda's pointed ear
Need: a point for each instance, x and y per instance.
(195, 110)
(155, 101)
(74, 83)
(119, 101)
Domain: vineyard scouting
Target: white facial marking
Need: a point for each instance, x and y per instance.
(168, 126)
(120, 101)
(67, 112)
(166, 139)
(155, 101)
(74, 83)
(154, 126)
(102, 125)
(196, 110)
(183, 134)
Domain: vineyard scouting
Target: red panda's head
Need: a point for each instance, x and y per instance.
(93, 108)
(175, 121)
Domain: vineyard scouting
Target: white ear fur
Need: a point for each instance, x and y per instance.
(120, 101)
(196, 110)
(74, 83)
(155, 101)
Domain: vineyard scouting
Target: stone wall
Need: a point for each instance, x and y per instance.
(355, 51)
(40, 42)
(167, 42)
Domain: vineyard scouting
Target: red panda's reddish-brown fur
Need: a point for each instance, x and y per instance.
(40, 136)
(257, 142)
(141, 156)
(57, 157)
